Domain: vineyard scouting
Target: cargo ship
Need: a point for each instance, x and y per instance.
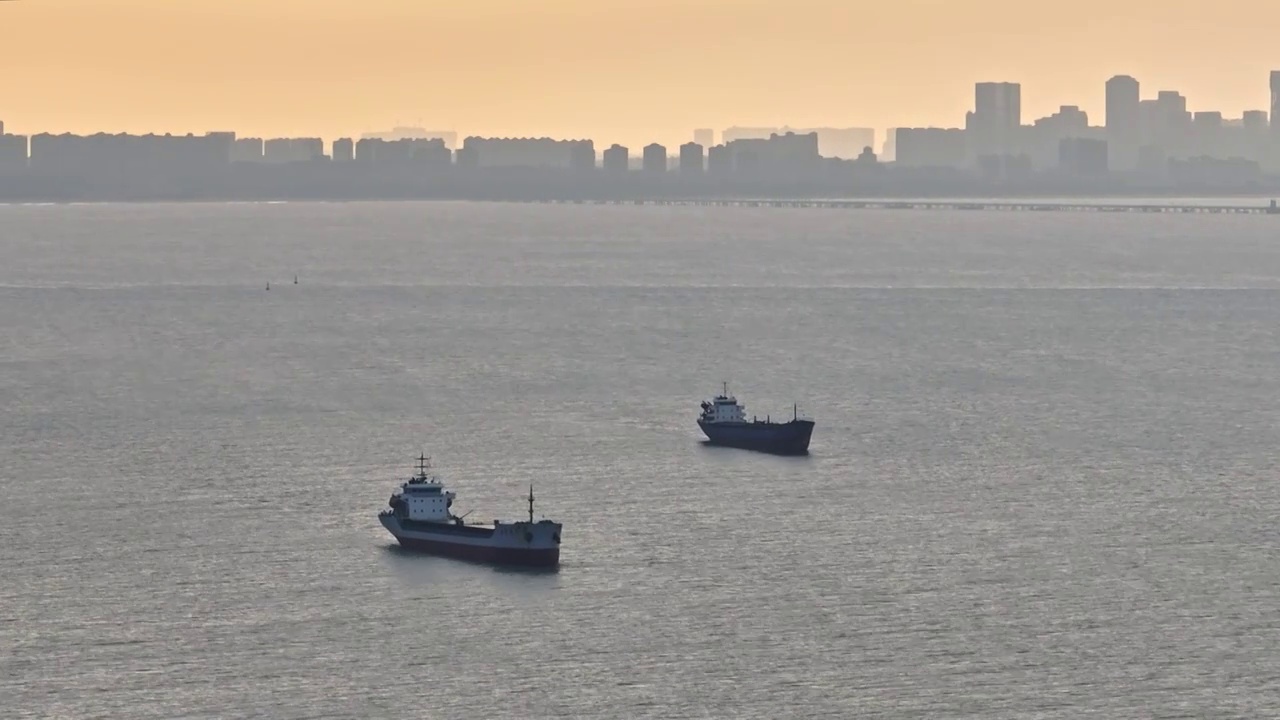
(724, 422)
(420, 517)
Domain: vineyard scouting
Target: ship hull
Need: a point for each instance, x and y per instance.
(527, 557)
(480, 544)
(789, 438)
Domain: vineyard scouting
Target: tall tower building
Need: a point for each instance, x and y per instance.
(1124, 123)
(999, 101)
(996, 119)
(692, 160)
(654, 158)
(1275, 103)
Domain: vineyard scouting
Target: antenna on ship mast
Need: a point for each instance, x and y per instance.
(725, 385)
(530, 503)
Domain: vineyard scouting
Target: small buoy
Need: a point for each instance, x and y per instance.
(268, 286)
(295, 279)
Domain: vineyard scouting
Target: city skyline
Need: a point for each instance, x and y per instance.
(996, 125)
(498, 68)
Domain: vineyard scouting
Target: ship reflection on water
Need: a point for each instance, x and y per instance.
(710, 446)
(420, 569)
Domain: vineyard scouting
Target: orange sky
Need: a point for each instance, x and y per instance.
(629, 71)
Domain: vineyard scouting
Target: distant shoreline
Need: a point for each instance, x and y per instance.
(847, 182)
(1256, 202)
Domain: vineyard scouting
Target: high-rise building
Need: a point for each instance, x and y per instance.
(706, 137)
(845, 143)
(614, 160)
(1173, 104)
(525, 152)
(247, 150)
(13, 152)
(1124, 122)
(449, 137)
(789, 155)
(889, 151)
(929, 147)
(691, 158)
(996, 118)
(1122, 103)
(728, 135)
(1172, 124)
(1209, 135)
(344, 150)
(291, 150)
(582, 156)
(719, 160)
(1040, 141)
(655, 158)
(1275, 102)
(1254, 121)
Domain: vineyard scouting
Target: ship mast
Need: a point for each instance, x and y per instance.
(530, 503)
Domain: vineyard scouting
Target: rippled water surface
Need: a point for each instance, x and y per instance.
(1042, 485)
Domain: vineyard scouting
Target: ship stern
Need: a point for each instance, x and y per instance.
(533, 545)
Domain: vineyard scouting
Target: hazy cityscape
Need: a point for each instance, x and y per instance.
(1146, 144)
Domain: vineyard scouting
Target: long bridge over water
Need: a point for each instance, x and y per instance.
(984, 205)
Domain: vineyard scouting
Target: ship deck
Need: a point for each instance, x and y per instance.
(477, 531)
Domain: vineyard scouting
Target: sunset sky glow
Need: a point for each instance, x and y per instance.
(622, 71)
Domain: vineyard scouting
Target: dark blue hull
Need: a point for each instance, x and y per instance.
(789, 438)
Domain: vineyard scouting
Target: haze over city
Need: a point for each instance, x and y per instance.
(624, 71)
